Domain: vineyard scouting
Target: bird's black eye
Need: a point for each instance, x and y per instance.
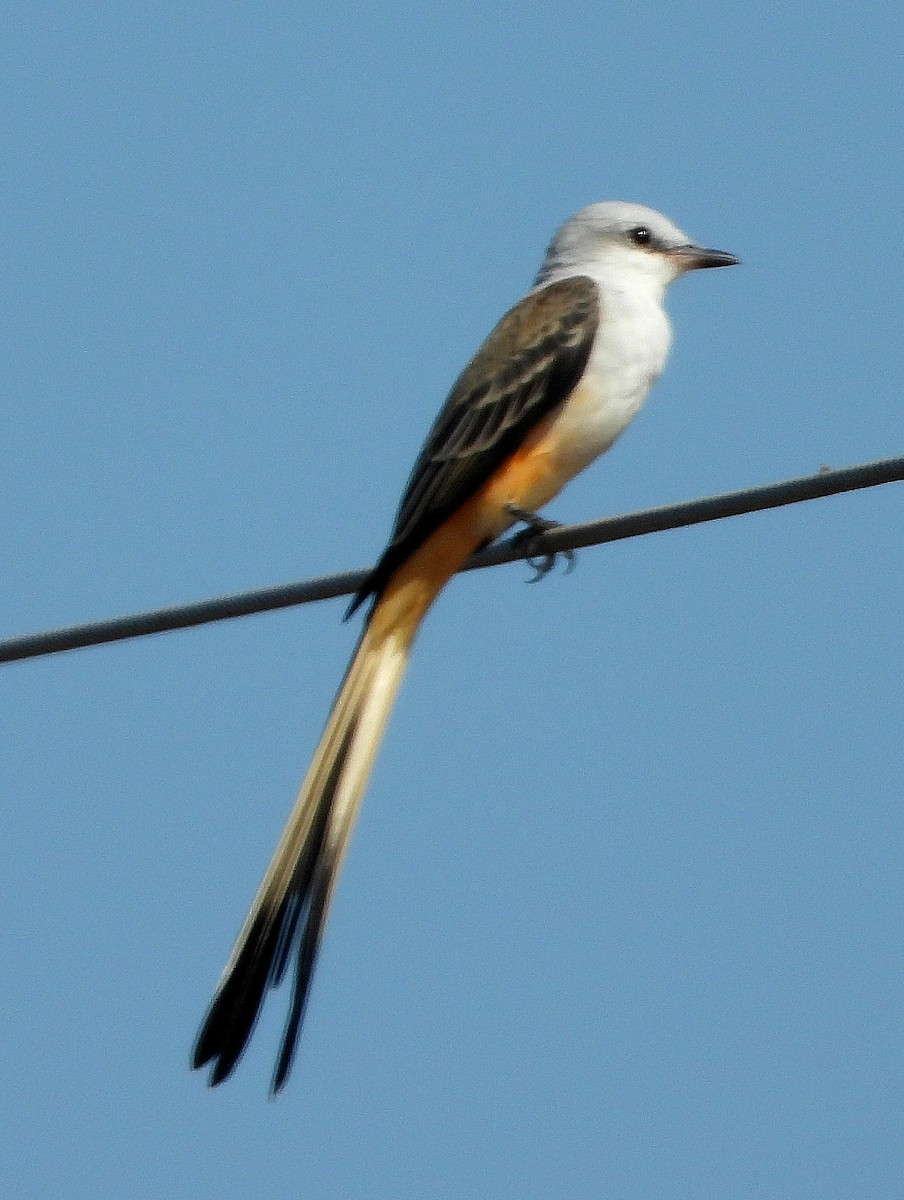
(640, 235)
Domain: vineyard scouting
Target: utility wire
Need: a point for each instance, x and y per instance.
(562, 537)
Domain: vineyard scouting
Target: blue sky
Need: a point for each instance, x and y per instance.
(623, 913)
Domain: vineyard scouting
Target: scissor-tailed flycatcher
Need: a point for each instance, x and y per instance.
(552, 387)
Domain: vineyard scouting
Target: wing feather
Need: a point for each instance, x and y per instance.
(525, 369)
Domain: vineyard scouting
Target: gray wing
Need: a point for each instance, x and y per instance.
(526, 368)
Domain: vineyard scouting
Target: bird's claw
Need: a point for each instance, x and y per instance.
(542, 564)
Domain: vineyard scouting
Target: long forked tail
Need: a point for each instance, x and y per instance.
(290, 909)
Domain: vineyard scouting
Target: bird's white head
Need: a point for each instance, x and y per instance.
(626, 246)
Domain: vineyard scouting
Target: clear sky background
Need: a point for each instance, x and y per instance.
(623, 914)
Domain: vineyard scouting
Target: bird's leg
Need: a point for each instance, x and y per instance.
(534, 525)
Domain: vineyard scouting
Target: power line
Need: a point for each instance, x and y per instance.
(563, 537)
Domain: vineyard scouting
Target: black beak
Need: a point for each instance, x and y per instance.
(694, 258)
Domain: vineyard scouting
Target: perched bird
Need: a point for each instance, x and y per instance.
(552, 387)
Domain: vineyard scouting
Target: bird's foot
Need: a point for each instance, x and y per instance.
(534, 525)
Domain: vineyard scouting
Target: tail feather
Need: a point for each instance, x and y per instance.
(289, 912)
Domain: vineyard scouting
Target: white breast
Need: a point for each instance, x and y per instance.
(628, 355)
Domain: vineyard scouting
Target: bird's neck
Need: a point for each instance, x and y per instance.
(633, 339)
